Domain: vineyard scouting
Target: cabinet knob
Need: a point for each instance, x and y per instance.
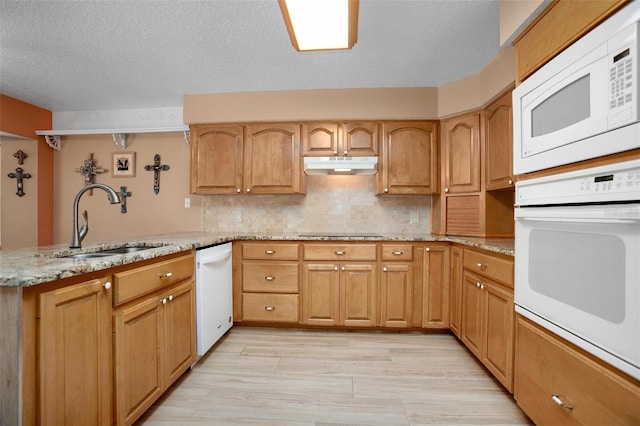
(481, 265)
(107, 285)
(386, 190)
(427, 249)
(269, 308)
(269, 278)
(269, 252)
(170, 297)
(446, 190)
(560, 402)
(238, 190)
(167, 275)
(345, 152)
(384, 269)
(335, 268)
(335, 152)
(339, 252)
(248, 189)
(343, 268)
(163, 301)
(510, 182)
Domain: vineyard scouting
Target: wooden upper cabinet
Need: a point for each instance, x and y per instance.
(461, 146)
(216, 159)
(499, 143)
(261, 158)
(272, 162)
(346, 139)
(408, 163)
(558, 26)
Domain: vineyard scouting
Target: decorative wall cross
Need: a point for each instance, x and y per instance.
(21, 156)
(156, 168)
(123, 199)
(89, 170)
(19, 175)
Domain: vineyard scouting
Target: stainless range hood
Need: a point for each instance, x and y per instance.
(341, 165)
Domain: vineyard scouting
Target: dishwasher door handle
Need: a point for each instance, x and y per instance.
(216, 258)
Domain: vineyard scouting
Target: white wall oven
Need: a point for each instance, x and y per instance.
(585, 102)
(577, 266)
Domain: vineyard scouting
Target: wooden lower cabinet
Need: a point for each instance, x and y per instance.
(455, 295)
(396, 294)
(436, 286)
(551, 371)
(339, 294)
(154, 342)
(75, 354)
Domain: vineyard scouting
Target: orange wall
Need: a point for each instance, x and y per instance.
(23, 119)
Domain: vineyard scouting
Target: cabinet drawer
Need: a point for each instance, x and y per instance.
(339, 252)
(402, 252)
(270, 277)
(547, 366)
(262, 251)
(270, 307)
(490, 266)
(128, 285)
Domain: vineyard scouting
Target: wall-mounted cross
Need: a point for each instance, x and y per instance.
(89, 170)
(156, 168)
(19, 175)
(123, 199)
(21, 156)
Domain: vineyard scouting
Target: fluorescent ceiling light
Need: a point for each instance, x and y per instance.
(321, 24)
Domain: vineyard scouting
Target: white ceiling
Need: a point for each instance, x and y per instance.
(101, 55)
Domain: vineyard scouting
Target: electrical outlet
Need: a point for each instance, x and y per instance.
(237, 217)
(414, 217)
(187, 203)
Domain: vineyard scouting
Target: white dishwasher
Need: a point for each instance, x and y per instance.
(214, 300)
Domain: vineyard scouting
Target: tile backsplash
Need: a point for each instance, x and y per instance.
(333, 204)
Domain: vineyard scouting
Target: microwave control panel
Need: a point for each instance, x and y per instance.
(610, 183)
(621, 78)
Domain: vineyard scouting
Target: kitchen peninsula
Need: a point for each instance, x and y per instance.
(26, 274)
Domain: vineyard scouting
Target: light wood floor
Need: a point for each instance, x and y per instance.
(262, 376)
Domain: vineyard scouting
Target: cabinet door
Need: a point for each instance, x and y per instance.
(396, 295)
(462, 154)
(409, 160)
(358, 302)
(75, 355)
(138, 343)
(272, 160)
(499, 143)
(359, 139)
(179, 331)
(320, 294)
(499, 334)
(216, 159)
(320, 139)
(435, 287)
(456, 290)
(472, 314)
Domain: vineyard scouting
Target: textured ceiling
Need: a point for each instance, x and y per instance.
(100, 55)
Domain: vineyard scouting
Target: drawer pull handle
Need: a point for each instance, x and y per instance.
(167, 275)
(269, 278)
(481, 265)
(396, 253)
(107, 285)
(269, 308)
(560, 402)
(340, 252)
(269, 252)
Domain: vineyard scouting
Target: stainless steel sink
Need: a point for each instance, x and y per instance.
(107, 252)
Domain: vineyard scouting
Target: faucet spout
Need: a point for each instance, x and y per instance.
(79, 234)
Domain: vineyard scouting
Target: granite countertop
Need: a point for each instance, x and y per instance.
(31, 266)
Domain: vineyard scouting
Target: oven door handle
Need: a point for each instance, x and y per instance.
(566, 219)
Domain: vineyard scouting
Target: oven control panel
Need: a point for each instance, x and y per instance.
(604, 184)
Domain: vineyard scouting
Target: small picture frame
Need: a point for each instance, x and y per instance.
(123, 164)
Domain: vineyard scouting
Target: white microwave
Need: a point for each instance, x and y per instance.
(585, 102)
